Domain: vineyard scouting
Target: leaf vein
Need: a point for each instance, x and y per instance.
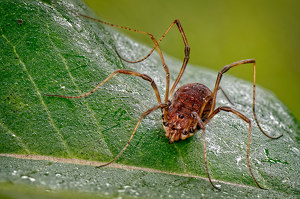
(39, 96)
(77, 88)
(181, 158)
(114, 165)
(15, 136)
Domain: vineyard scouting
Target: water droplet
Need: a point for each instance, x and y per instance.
(106, 193)
(29, 178)
(295, 150)
(259, 162)
(238, 159)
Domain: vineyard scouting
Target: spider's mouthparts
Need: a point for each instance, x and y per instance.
(176, 135)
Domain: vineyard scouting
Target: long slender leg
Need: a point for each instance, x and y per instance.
(220, 74)
(156, 47)
(162, 37)
(226, 95)
(126, 72)
(240, 115)
(133, 132)
(186, 58)
(186, 52)
(204, 147)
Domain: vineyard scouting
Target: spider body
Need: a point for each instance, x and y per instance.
(191, 107)
(180, 120)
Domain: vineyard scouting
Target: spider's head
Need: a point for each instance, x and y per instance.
(180, 126)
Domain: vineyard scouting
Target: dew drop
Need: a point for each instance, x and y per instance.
(29, 178)
(218, 185)
(295, 150)
(238, 159)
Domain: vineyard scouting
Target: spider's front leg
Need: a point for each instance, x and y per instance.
(156, 43)
(202, 125)
(126, 72)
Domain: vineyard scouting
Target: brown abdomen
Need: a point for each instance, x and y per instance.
(190, 98)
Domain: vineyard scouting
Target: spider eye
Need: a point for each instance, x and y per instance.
(181, 116)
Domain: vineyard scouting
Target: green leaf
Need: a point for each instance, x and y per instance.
(49, 146)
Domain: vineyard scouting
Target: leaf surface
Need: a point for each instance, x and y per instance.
(48, 49)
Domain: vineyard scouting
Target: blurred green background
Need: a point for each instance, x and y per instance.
(220, 32)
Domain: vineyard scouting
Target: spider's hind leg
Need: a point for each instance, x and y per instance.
(220, 74)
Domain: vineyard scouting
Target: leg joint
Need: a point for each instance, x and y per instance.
(146, 77)
(187, 51)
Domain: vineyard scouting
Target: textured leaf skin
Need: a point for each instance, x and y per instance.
(53, 51)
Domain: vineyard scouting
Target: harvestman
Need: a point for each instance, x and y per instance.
(191, 107)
